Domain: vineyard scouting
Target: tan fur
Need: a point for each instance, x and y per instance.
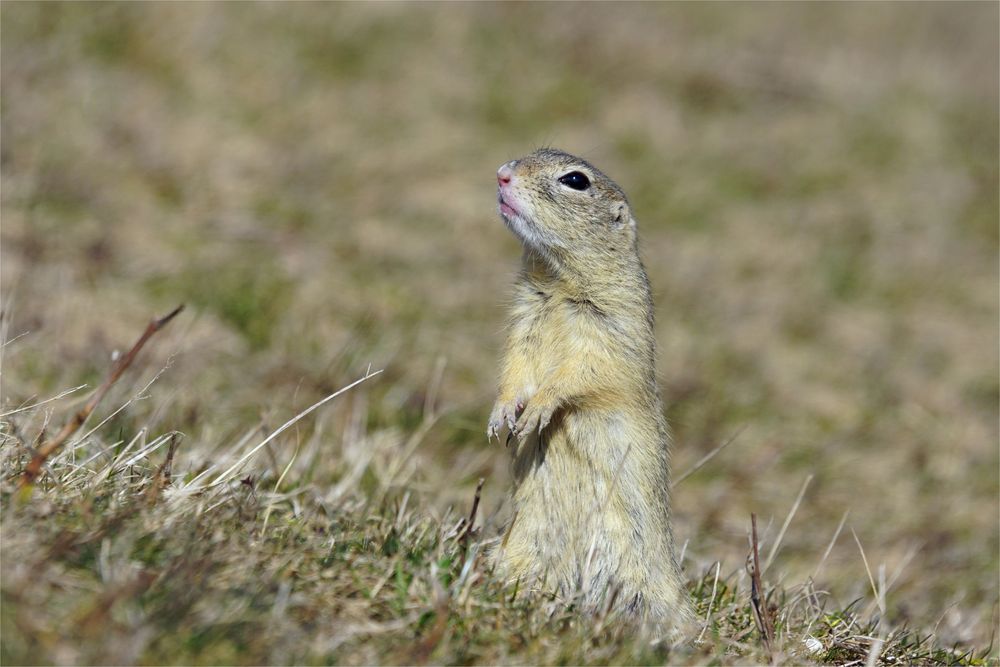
(578, 395)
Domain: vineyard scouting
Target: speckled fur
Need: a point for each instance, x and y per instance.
(578, 395)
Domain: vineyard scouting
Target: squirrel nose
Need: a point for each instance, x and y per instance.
(504, 174)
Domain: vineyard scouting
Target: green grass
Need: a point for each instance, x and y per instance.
(816, 189)
(254, 572)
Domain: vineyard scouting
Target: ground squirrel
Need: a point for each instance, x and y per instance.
(579, 400)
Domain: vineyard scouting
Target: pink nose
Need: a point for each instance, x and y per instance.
(504, 174)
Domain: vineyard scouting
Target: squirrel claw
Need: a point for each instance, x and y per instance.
(534, 418)
(505, 413)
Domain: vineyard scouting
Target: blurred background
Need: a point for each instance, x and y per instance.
(816, 189)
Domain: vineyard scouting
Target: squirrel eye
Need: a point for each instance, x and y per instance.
(576, 180)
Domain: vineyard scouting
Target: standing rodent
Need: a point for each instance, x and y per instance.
(578, 393)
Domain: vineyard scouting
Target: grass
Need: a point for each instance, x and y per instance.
(816, 188)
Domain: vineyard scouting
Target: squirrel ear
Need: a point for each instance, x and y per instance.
(622, 215)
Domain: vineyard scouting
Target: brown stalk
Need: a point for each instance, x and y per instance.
(162, 476)
(472, 515)
(761, 614)
(51, 446)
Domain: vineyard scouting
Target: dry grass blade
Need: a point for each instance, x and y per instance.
(879, 594)
(231, 471)
(277, 485)
(707, 457)
(711, 601)
(34, 406)
(53, 445)
(788, 520)
(829, 547)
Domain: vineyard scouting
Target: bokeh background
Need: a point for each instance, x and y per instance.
(816, 189)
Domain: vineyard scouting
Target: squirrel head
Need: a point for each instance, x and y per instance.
(565, 210)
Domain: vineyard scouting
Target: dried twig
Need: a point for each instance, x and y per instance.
(163, 473)
(53, 445)
(464, 537)
(758, 604)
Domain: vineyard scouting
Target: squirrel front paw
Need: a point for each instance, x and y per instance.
(536, 417)
(504, 413)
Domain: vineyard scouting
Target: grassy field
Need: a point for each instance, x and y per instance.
(817, 192)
